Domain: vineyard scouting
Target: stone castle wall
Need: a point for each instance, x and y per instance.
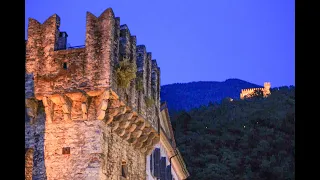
(79, 123)
(92, 68)
(95, 152)
(248, 92)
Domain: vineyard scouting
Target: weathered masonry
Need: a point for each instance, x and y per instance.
(91, 112)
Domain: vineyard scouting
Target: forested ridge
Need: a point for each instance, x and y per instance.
(185, 96)
(250, 139)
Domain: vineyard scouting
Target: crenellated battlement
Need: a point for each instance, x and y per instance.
(248, 92)
(92, 68)
(93, 106)
(82, 84)
(251, 89)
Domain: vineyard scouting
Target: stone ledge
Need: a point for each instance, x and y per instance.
(104, 105)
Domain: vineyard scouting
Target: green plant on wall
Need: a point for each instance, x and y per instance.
(139, 83)
(149, 101)
(125, 72)
(40, 107)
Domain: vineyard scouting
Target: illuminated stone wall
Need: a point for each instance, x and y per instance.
(79, 121)
(245, 93)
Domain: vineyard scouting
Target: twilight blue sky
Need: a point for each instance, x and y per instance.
(195, 40)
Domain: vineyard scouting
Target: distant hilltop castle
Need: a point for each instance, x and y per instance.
(245, 93)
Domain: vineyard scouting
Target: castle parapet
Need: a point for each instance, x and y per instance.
(125, 43)
(155, 81)
(141, 77)
(82, 84)
(248, 92)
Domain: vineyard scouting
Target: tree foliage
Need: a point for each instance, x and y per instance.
(240, 139)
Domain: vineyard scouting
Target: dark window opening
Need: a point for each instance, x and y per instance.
(127, 98)
(156, 162)
(66, 150)
(124, 170)
(162, 167)
(168, 172)
(65, 65)
(139, 104)
(62, 34)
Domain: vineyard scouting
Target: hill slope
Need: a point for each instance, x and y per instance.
(184, 96)
(242, 139)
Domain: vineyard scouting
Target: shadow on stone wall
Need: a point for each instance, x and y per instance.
(34, 138)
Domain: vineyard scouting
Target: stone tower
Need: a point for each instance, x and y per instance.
(80, 124)
(266, 89)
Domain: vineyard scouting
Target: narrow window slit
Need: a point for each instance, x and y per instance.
(65, 65)
(124, 169)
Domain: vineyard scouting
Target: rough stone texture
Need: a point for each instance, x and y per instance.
(133, 96)
(127, 51)
(141, 74)
(119, 151)
(28, 163)
(95, 152)
(148, 74)
(99, 48)
(92, 67)
(72, 101)
(34, 138)
(115, 58)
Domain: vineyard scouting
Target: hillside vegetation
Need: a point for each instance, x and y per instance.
(185, 96)
(249, 139)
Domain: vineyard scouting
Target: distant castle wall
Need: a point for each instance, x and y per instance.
(248, 92)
